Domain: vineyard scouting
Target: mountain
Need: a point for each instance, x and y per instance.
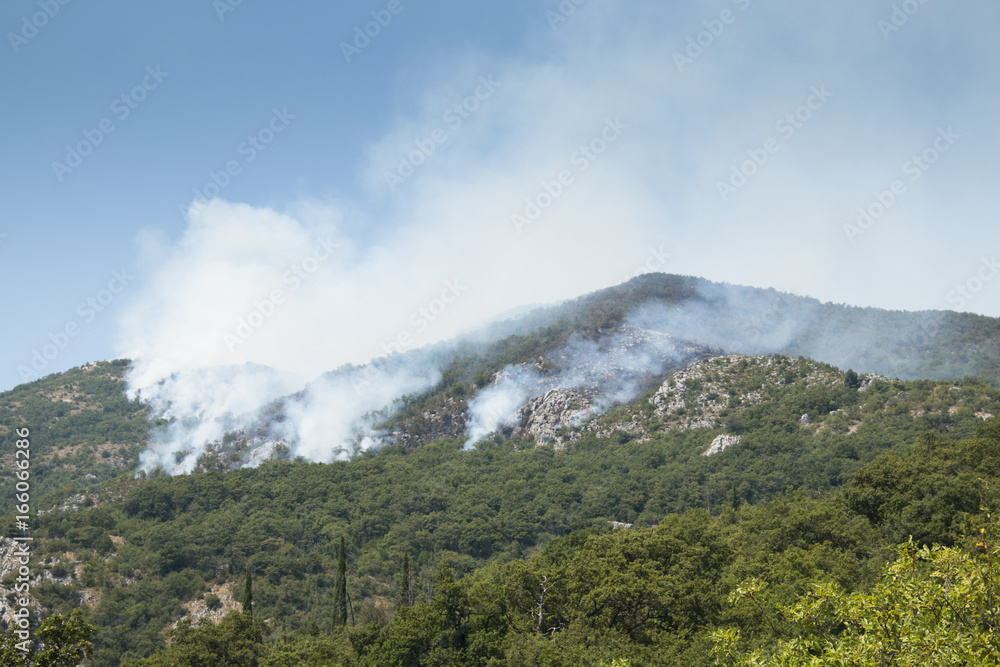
(660, 405)
(655, 323)
(534, 366)
(83, 429)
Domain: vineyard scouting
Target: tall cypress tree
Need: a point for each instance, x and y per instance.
(248, 593)
(404, 585)
(340, 589)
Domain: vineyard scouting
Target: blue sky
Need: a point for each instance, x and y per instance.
(494, 154)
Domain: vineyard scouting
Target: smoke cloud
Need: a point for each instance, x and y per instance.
(745, 320)
(591, 149)
(612, 370)
(202, 405)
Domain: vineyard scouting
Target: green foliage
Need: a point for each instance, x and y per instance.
(534, 576)
(60, 641)
(74, 418)
(235, 642)
(248, 593)
(296, 650)
(930, 491)
(405, 592)
(931, 606)
(340, 588)
(500, 505)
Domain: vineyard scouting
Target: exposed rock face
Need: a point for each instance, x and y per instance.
(870, 379)
(543, 416)
(10, 564)
(695, 396)
(720, 443)
(584, 379)
(198, 611)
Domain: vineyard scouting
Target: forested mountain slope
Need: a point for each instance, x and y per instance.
(677, 410)
(142, 552)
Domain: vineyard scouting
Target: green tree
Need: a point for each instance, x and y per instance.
(235, 642)
(933, 605)
(404, 584)
(340, 589)
(851, 380)
(60, 641)
(248, 594)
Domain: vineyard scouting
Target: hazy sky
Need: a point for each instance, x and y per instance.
(385, 190)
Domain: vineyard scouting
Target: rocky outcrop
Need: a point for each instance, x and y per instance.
(198, 611)
(695, 397)
(721, 443)
(543, 416)
(581, 380)
(10, 564)
(868, 380)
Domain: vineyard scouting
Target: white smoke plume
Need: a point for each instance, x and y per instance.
(614, 370)
(745, 320)
(202, 406)
(333, 417)
(249, 305)
(498, 404)
(337, 414)
(597, 140)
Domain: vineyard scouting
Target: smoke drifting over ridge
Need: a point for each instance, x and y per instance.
(333, 417)
(245, 288)
(613, 370)
(351, 278)
(203, 405)
(747, 320)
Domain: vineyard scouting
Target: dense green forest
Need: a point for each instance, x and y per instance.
(487, 533)
(84, 431)
(696, 588)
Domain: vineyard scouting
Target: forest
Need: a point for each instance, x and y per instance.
(507, 555)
